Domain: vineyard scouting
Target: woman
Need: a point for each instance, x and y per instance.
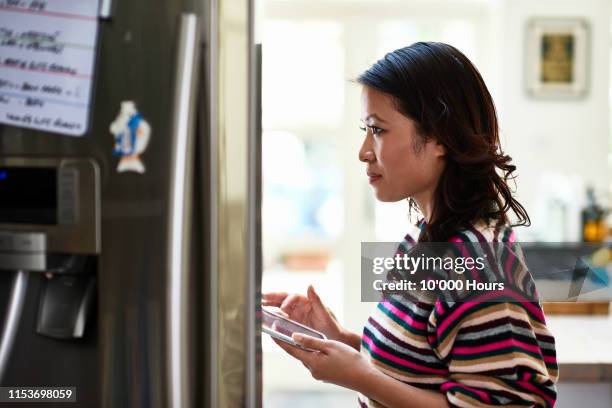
(431, 136)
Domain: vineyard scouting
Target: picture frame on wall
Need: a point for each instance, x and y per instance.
(557, 52)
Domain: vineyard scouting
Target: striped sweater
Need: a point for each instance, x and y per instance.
(479, 354)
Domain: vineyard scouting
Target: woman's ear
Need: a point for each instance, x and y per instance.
(439, 149)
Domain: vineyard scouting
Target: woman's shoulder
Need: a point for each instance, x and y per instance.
(482, 231)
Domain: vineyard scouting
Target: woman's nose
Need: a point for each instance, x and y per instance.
(365, 153)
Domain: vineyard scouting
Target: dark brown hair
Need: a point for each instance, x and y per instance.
(438, 87)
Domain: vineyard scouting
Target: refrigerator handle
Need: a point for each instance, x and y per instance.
(255, 267)
(105, 11)
(19, 287)
(181, 192)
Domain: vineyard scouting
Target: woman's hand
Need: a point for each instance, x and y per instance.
(331, 361)
(308, 310)
(337, 363)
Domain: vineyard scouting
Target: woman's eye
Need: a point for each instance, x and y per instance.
(376, 130)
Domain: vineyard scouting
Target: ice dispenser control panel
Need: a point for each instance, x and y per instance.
(55, 201)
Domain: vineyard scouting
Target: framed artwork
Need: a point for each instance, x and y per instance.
(557, 57)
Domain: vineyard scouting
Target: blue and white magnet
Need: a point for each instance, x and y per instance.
(131, 134)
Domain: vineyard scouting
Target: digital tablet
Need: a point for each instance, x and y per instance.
(282, 328)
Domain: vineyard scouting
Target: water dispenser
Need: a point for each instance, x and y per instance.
(49, 231)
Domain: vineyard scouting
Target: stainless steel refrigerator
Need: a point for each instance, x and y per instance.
(129, 201)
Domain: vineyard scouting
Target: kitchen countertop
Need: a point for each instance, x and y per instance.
(584, 347)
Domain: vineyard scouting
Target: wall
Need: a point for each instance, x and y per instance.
(564, 137)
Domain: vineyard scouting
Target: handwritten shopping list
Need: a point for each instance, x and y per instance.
(47, 52)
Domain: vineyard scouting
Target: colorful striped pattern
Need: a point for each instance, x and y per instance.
(479, 354)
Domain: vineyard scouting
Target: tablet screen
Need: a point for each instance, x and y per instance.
(283, 328)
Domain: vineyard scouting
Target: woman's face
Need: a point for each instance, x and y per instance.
(399, 163)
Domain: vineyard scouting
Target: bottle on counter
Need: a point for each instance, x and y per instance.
(594, 227)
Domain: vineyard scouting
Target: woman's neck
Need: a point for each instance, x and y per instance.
(426, 206)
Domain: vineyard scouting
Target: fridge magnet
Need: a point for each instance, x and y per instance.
(557, 58)
(131, 134)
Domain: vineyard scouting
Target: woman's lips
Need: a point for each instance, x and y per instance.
(373, 177)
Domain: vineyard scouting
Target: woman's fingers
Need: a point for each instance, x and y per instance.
(318, 305)
(294, 351)
(299, 307)
(314, 298)
(310, 342)
(273, 298)
(291, 303)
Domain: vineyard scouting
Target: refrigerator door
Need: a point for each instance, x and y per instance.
(134, 353)
(146, 324)
(171, 133)
(231, 161)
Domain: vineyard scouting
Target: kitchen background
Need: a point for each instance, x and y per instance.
(318, 206)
